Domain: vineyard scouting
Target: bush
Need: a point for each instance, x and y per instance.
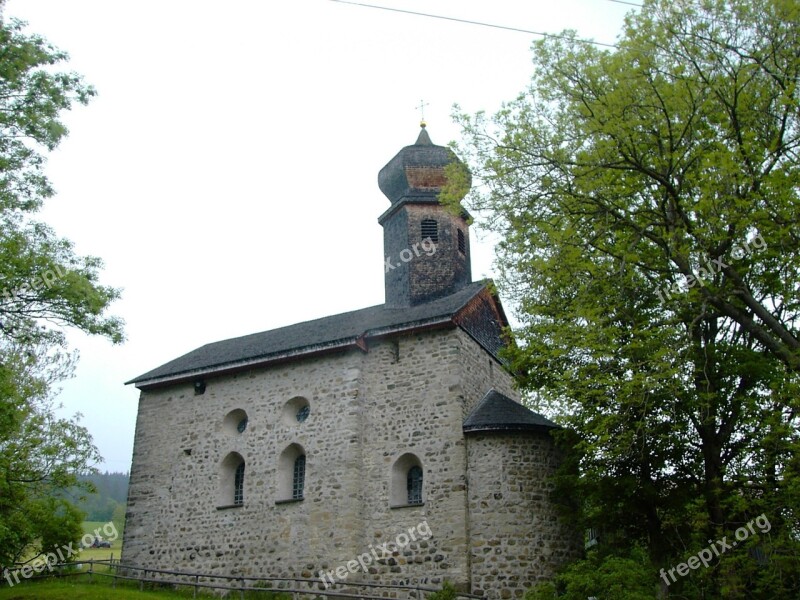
(545, 590)
(448, 592)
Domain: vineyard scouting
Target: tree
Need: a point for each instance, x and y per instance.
(108, 501)
(43, 281)
(647, 198)
(40, 455)
(44, 287)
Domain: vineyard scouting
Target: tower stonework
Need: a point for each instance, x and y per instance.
(426, 245)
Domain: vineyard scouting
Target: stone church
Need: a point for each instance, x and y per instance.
(297, 452)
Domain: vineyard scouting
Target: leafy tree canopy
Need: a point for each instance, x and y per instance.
(647, 199)
(44, 286)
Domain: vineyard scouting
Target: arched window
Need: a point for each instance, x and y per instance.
(299, 477)
(291, 473)
(231, 481)
(407, 482)
(414, 485)
(238, 485)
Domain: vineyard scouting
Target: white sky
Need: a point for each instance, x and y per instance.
(227, 171)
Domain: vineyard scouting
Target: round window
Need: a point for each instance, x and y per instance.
(295, 411)
(303, 413)
(235, 422)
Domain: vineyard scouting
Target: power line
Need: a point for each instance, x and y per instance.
(482, 24)
(628, 3)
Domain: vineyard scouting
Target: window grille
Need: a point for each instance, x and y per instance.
(238, 485)
(415, 485)
(298, 479)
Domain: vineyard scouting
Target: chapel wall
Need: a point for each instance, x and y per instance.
(173, 519)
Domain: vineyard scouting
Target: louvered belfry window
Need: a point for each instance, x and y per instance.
(430, 229)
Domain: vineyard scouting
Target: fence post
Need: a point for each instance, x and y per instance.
(141, 581)
(241, 592)
(196, 580)
(91, 569)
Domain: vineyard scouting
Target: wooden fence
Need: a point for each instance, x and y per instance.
(300, 589)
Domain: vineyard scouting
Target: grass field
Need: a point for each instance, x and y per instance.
(101, 589)
(101, 553)
(58, 590)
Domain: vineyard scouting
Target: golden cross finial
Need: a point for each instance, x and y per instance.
(421, 107)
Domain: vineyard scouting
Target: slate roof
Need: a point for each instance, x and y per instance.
(497, 412)
(328, 333)
(393, 178)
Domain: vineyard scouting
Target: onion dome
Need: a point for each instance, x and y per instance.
(416, 173)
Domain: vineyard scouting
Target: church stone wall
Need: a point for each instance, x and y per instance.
(485, 501)
(412, 405)
(173, 517)
(479, 372)
(517, 538)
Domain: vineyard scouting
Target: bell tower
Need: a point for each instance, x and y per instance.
(425, 245)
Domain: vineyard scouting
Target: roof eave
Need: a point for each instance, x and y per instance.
(242, 365)
(510, 428)
(305, 352)
(418, 198)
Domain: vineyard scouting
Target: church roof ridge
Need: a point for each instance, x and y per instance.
(310, 337)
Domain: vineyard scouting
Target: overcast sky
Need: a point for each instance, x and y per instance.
(227, 170)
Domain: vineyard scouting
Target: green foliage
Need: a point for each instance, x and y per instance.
(545, 590)
(44, 286)
(81, 590)
(43, 282)
(647, 199)
(621, 578)
(448, 592)
(118, 517)
(40, 454)
(107, 502)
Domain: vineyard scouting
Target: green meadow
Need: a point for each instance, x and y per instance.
(79, 590)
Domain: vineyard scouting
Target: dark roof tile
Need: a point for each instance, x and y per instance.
(327, 333)
(497, 412)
